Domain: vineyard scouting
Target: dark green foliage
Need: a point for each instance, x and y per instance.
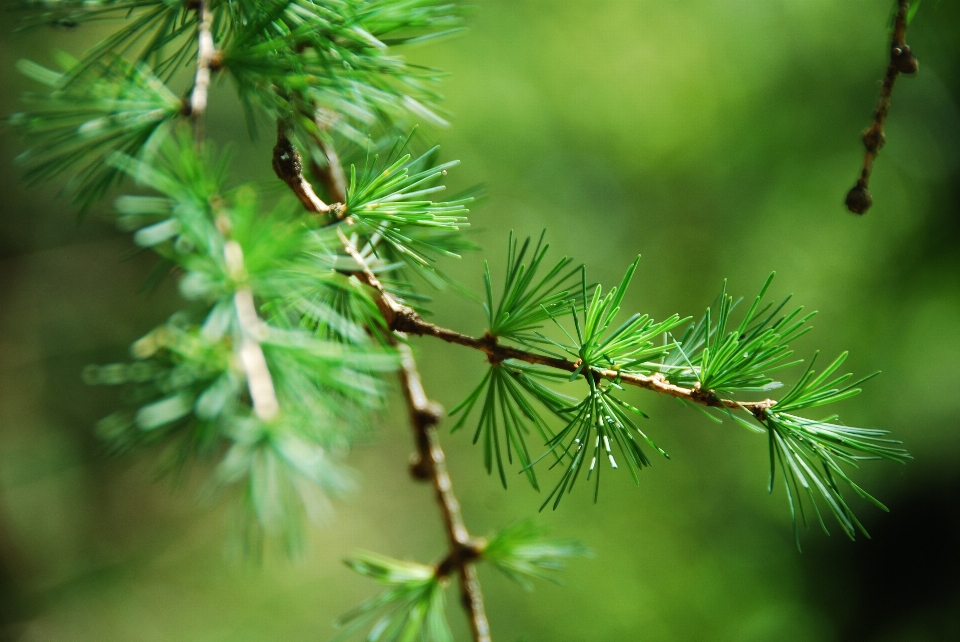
(411, 610)
(522, 552)
(154, 30)
(329, 67)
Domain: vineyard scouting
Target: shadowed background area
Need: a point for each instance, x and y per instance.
(715, 138)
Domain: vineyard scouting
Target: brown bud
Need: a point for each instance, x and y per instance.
(904, 60)
(859, 199)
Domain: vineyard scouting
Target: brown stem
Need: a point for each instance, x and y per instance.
(902, 61)
(407, 320)
(429, 463)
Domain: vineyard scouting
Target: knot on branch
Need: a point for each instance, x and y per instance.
(488, 343)
(421, 469)
(423, 461)
(428, 416)
(903, 59)
(460, 554)
(216, 60)
(406, 319)
(705, 397)
(760, 409)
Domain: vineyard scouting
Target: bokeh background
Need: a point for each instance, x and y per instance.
(718, 139)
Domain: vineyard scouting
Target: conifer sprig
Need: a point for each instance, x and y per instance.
(507, 413)
(411, 609)
(389, 203)
(155, 32)
(245, 369)
(526, 301)
(523, 552)
(122, 108)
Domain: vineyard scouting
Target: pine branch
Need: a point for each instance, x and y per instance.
(430, 464)
(902, 61)
(252, 331)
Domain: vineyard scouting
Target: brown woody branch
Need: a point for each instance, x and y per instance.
(902, 61)
(429, 464)
(403, 318)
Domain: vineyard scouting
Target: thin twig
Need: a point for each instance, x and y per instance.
(902, 61)
(403, 318)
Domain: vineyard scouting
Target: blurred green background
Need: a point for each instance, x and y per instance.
(716, 138)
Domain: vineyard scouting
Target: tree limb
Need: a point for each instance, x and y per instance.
(429, 463)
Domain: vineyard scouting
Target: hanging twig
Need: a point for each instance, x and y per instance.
(429, 464)
(902, 61)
